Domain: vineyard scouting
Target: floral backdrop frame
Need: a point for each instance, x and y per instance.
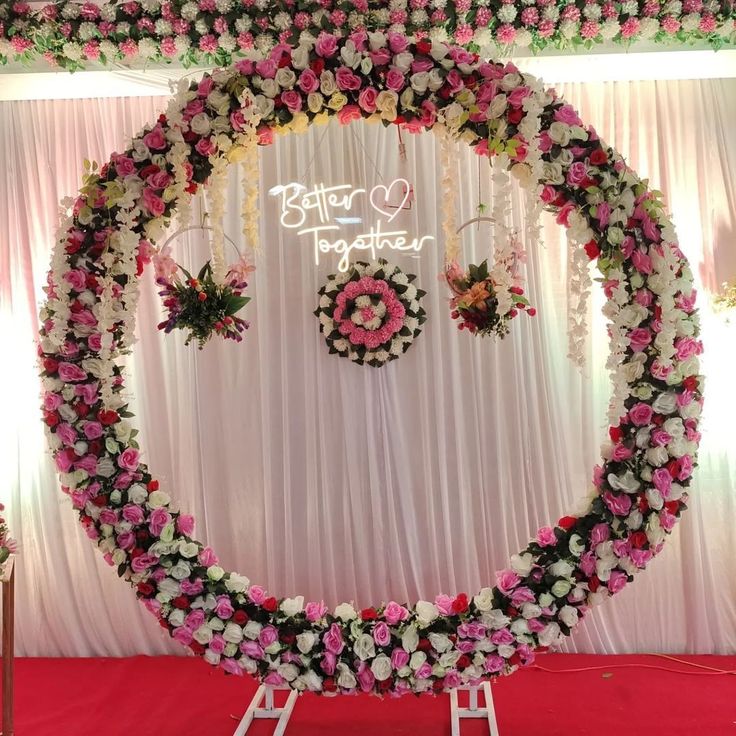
(637, 494)
(216, 32)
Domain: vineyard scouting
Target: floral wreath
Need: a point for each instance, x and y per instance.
(638, 492)
(371, 313)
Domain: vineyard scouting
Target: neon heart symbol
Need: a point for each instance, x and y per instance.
(379, 206)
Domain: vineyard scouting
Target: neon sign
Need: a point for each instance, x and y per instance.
(331, 208)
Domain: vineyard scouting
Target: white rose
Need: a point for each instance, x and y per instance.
(345, 612)
(285, 78)
(561, 569)
(435, 80)
(569, 616)
(203, 634)
(233, 633)
(495, 619)
(440, 642)
(626, 482)
(381, 667)
(559, 133)
(176, 618)
(252, 629)
(654, 499)
(345, 678)
(237, 583)
(292, 606)
(200, 124)
(410, 639)
(665, 403)
(306, 641)
(288, 671)
(211, 658)
(270, 88)
(419, 82)
(300, 57)
(531, 610)
(657, 456)
(327, 83)
(561, 588)
(364, 647)
(137, 494)
(180, 570)
(158, 499)
(426, 612)
(549, 635)
(417, 660)
(522, 564)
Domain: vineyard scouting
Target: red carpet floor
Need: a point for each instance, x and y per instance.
(172, 696)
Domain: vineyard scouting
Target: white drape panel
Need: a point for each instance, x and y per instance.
(318, 477)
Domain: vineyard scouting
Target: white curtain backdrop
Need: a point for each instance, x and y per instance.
(314, 476)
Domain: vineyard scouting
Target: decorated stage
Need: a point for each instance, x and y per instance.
(562, 695)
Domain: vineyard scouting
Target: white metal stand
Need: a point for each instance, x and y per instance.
(267, 710)
(473, 710)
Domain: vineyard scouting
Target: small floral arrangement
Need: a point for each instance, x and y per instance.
(370, 314)
(202, 306)
(476, 304)
(727, 299)
(8, 545)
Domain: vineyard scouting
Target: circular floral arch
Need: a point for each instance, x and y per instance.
(637, 494)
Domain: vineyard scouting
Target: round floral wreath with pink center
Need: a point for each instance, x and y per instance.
(638, 491)
(371, 313)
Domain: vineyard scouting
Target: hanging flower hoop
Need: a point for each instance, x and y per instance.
(371, 313)
(638, 491)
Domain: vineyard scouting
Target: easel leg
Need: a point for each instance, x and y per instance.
(267, 710)
(8, 653)
(487, 711)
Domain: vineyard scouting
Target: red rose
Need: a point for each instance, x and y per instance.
(317, 66)
(328, 685)
(672, 507)
(515, 659)
(288, 637)
(181, 602)
(691, 383)
(197, 648)
(142, 535)
(163, 623)
(598, 157)
(460, 604)
(145, 589)
(240, 617)
(515, 116)
(463, 662)
(369, 614)
(152, 486)
(511, 611)
(592, 250)
(424, 645)
(385, 685)
(51, 418)
(438, 685)
(594, 583)
(567, 522)
(643, 504)
(107, 417)
(147, 171)
(101, 500)
(615, 433)
(673, 467)
(639, 540)
(81, 409)
(95, 447)
(50, 365)
(270, 604)
(424, 47)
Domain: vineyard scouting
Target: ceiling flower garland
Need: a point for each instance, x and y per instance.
(638, 492)
(371, 313)
(71, 33)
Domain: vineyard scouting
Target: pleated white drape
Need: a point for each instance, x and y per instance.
(314, 476)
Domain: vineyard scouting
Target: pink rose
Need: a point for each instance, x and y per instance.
(393, 613)
(158, 519)
(66, 433)
(397, 42)
(444, 604)
(502, 636)
(133, 514)
(395, 80)
(92, 430)
(256, 593)
(642, 262)
(332, 639)
(662, 481)
(546, 536)
(153, 203)
(155, 139)
(223, 607)
(126, 540)
(685, 347)
(618, 504)
(129, 459)
(424, 671)
(76, 278)
(124, 165)
(328, 663)
(252, 649)
(308, 81)
(641, 414)
(266, 68)
(208, 558)
(326, 45)
(192, 587)
(639, 338)
(599, 533)
(381, 634)
(617, 581)
(347, 80)
(69, 372)
(268, 636)
(185, 524)
(292, 99)
(348, 114)
(686, 467)
(507, 580)
(366, 679)
(566, 114)
(399, 658)
(577, 173)
(315, 611)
